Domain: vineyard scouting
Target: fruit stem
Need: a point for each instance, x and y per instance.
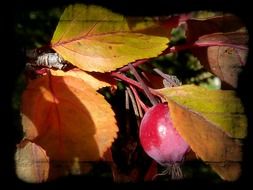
(126, 100)
(133, 102)
(127, 106)
(144, 86)
(133, 82)
(140, 104)
(126, 79)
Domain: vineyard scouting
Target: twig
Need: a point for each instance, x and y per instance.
(135, 64)
(139, 102)
(133, 82)
(134, 105)
(126, 100)
(127, 106)
(145, 88)
(126, 79)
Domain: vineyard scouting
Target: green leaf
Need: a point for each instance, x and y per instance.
(213, 123)
(220, 107)
(96, 39)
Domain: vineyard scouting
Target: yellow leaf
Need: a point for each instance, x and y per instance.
(94, 38)
(220, 107)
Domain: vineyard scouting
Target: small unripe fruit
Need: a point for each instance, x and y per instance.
(159, 138)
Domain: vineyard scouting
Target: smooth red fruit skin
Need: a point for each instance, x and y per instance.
(159, 138)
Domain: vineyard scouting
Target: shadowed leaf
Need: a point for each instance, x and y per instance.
(221, 46)
(69, 119)
(223, 54)
(199, 27)
(213, 124)
(95, 39)
(32, 163)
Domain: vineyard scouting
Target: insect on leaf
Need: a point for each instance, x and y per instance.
(212, 122)
(94, 38)
(68, 119)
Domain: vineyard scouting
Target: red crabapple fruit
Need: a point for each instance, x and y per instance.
(159, 138)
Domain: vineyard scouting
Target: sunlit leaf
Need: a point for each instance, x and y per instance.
(32, 163)
(212, 122)
(94, 38)
(221, 107)
(69, 119)
(95, 80)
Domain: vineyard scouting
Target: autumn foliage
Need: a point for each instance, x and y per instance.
(68, 123)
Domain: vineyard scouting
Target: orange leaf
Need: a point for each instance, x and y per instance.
(32, 163)
(95, 80)
(213, 123)
(223, 154)
(69, 119)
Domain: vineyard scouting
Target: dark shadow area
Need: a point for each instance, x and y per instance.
(64, 126)
(13, 62)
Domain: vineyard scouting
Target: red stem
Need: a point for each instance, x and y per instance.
(206, 44)
(133, 82)
(138, 100)
(126, 79)
(177, 48)
(134, 104)
(135, 64)
(144, 86)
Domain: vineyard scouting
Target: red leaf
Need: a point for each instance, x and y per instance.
(223, 54)
(199, 27)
